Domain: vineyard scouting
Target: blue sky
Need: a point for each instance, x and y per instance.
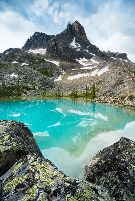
(108, 24)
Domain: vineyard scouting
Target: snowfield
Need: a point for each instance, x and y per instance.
(94, 73)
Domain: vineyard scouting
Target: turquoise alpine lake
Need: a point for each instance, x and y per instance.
(69, 133)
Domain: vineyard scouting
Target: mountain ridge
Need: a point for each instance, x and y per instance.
(67, 65)
(59, 45)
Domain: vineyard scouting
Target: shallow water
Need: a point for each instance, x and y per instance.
(70, 133)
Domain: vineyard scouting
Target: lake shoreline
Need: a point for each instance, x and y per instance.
(103, 100)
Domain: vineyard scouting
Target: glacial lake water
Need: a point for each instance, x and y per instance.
(70, 133)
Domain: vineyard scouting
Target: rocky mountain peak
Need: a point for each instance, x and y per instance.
(77, 27)
(70, 44)
(79, 34)
(75, 30)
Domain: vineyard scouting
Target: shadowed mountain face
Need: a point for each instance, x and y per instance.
(38, 40)
(73, 44)
(69, 45)
(76, 30)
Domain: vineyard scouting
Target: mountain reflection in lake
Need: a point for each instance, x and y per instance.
(68, 133)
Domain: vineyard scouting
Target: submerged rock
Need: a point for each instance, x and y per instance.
(26, 175)
(114, 169)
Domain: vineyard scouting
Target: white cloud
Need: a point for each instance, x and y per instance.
(110, 26)
(40, 6)
(118, 42)
(14, 30)
(57, 12)
(52, 8)
(113, 29)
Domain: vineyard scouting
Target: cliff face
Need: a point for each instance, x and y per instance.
(26, 175)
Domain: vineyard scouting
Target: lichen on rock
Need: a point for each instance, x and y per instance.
(27, 176)
(114, 168)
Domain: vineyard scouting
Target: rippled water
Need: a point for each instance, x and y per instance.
(69, 133)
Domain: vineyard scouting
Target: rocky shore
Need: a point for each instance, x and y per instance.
(26, 175)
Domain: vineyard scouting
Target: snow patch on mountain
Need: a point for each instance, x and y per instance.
(74, 44)
(94, 72)
(78, 76)
(54, 62)
(99, 72)
(103, 70)
(82, 62)
(58, 79)
(38, 51)
(13, 75)
(24, 64)
(14, 62)
(88, 67)
(94, 61)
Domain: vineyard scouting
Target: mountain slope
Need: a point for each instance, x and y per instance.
(67, 64)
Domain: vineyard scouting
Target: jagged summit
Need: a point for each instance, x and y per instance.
(78, 28)
(69, 45)
(75, 30)
(38, 40)
(57, 45)
(76, 21)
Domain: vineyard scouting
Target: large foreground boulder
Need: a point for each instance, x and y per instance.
(114, 169)
(26, 175)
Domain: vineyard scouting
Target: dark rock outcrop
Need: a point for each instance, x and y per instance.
(114, 169)
(60, 46)
(11, 50)
(80, 35)
(14, 144)
(38, 40)
(59, 50)
(117, 55)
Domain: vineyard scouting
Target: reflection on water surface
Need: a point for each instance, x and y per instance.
(70, 134)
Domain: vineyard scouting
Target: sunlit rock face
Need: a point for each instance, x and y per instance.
(28, 176)
(113, 168)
